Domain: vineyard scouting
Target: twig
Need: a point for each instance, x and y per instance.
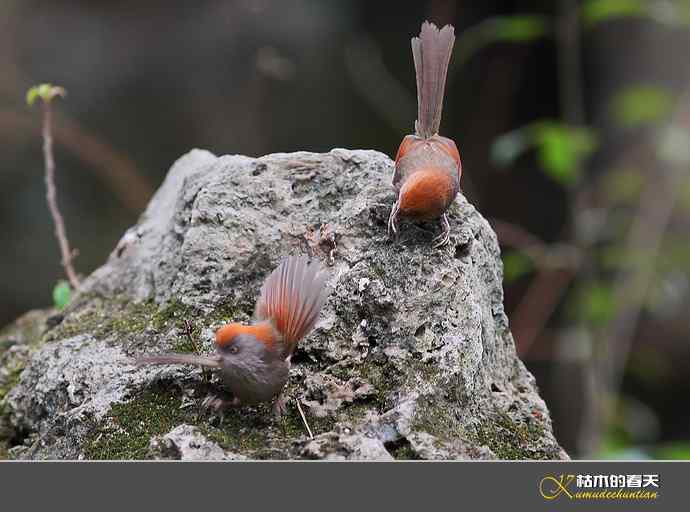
(517, 236)
(51, 191)
(304, 418)
(538, 304)
(557, 266)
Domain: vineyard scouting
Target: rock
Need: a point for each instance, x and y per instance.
(188, 443)
(346, 446)
(411, 358)
(16, 344)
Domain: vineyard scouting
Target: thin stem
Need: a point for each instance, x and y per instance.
(304, 418)
(51, 197)
(538, 304)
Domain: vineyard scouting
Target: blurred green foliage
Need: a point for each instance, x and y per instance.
(515, 265)
(594, 303)
(561, 149)
(518, 29)
(673, 451)
(623, 185)
(521, 28)
(62, 294)
(670, 12)
(640, 105)
(631, 432)
(606, 202)
(596, 11)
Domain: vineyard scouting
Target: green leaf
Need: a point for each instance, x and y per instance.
(518, 29)
(561, 149)
(44, 91)
(597, 11)
(641, 104)
(62, 294)
(31, 95)
(515, 265)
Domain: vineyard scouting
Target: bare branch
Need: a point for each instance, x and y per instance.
(51, 196)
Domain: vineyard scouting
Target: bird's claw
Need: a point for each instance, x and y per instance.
(393, 220)
(444, 237)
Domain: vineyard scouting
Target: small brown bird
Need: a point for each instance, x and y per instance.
(427, 166)
(254, 360)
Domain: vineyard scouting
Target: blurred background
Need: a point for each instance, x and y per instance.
(572, 120)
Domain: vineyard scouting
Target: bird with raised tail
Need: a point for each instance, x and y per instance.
(254, 360)
(427, 166)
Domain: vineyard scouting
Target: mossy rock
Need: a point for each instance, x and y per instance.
(404, 362)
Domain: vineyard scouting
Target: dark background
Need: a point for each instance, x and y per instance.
(571, 120)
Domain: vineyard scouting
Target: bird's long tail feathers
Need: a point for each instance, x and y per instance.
(431, 52)
(208, 361)
(292, 297)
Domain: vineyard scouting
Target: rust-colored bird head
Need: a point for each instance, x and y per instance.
(290, 301)
(262, 332)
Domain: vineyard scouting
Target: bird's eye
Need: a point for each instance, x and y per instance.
(234, 350)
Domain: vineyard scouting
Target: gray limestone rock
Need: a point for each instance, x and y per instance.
(186, 442)
(411, 358)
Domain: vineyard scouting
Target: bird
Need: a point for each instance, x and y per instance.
(254, 360)
(427, 165)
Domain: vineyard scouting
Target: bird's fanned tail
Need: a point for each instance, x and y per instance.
(431, 52)
(292, 297)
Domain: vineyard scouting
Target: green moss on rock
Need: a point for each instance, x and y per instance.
(510, 439)
(257, 433)
(127, 430)
(253, 431)
(101, 317)
(123, 319)
(26, 330)
(6, 384)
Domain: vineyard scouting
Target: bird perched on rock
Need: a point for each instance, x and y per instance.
(254, 360)
(427, 166)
